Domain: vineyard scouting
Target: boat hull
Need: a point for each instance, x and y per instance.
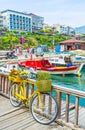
(37, 65)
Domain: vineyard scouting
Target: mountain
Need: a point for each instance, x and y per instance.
(80, 29)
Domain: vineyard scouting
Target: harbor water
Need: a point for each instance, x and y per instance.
(73, 82)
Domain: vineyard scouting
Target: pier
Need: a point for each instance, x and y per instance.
(70, 115)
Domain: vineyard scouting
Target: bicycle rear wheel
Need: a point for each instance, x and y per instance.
(45, 111)
(15, 101)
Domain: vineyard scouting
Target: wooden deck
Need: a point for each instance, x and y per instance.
(13, 118)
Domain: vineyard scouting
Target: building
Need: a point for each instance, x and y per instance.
(14, 20)
(62, 29)
(72, 44)
(57, 27)
(1, 21)
(47, 27)
(67, 30)
(37, 22)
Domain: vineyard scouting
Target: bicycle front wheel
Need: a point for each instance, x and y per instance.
(15, 101)
(46, 110)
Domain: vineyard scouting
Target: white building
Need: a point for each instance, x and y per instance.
(37, 22)
(1, 21)
(14, 20)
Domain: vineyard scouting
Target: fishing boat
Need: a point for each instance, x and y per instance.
(67, 60)
(44, 65)
(61, 60)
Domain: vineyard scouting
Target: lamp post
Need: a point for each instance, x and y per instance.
(53, 40)
(53, 37)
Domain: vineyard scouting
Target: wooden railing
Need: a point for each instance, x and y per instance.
(69, 92)
(64, 112)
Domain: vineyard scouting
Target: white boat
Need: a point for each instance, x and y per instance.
(60, 60)
(67, 60)
(6, 67)
(79, 58)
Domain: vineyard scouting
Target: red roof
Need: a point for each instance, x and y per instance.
(32, 14)
(72, 41)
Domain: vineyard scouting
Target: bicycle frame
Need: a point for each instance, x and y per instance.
(23, 96)
(40, 103)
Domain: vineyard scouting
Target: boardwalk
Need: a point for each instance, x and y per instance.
(12, 118)
(18, 118)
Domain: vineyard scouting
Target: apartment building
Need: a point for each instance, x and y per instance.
(1, 21)
(67, 30)
(14, 20)
(62, 29)
(37, 22)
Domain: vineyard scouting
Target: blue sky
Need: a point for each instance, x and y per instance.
(65, 12)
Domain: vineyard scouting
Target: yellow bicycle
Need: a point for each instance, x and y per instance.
(43, 106)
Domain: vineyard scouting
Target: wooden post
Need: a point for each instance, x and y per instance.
(76, 110)
(0, 83)
(59, 94)
(6, 83)
(67, 107)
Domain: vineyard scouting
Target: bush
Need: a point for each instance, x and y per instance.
(43, 83)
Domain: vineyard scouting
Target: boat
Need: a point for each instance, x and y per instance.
(61, 60)
(7, 66)
(79, 58)
(57, 61)
(44, 65)
(67, 60)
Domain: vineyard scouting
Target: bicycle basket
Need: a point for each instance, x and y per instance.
(43, 85)
(15, 78)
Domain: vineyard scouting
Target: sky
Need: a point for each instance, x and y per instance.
(63, 12)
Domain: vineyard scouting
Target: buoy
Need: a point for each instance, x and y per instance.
(79, 74)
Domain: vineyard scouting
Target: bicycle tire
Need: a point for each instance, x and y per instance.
(13, 99)
(44, 116)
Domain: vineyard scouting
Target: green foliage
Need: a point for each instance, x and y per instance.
(31, 39)
(44, 82)
(1, 47)
(43, 75)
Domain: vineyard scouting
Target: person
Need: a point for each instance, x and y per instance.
(69, 62)
(39, 49)
(25, 54)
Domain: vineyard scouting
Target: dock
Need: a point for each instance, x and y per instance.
(12, 118)
(70, 117)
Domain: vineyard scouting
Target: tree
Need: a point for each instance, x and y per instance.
(10, 35)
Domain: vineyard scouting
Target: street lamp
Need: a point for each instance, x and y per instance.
(53, 37)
